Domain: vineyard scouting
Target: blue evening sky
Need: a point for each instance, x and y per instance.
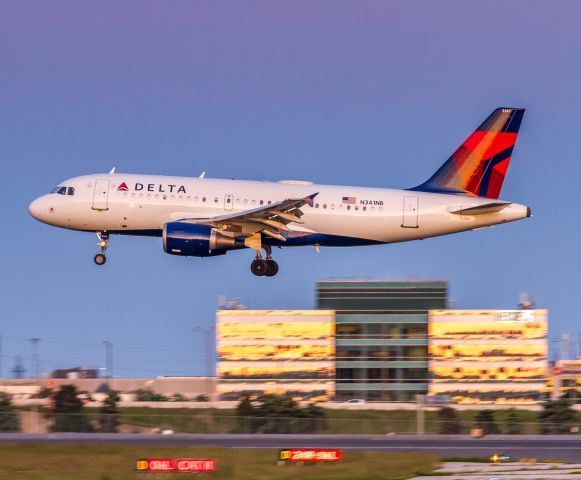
(353, 93)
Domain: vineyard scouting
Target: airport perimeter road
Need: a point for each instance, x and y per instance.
(560, 447)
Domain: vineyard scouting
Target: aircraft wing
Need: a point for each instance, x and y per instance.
(271, 219)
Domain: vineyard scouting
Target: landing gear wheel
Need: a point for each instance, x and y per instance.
(100, 259)
(258, 267)
(271, 268)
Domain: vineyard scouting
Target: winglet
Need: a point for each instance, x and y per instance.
(112, 171)
(309, 200)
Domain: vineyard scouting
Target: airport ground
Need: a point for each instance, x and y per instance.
(117, 462)
(114, 456)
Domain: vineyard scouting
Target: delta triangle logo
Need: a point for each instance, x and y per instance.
(123, 187)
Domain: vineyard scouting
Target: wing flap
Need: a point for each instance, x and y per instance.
(271, 219)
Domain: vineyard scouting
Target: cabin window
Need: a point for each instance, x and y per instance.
(332, 206)
(245, 201)
(373, 209)
(237, 201)
(188, 198)
(173, 197)
(149, 195)
(261, 202)
(364, 208)
(196, 198)
(340, 206)
(381, 209)
(253, 202)
(180, 197)
(324, 205)
(269, 202)
(203, 199)
(156, 196)
(356, 207)
(316, 205)
(70, 190)
(348, 207)
(215, 199)
(141, 195)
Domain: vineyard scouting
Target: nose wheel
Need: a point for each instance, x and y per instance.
(100, 258)
(267, 268)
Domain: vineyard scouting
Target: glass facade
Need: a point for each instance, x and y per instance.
(381, 336)
(285, 352)
(488, 355)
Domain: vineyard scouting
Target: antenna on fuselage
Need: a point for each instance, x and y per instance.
(112, 171)
(202, 175)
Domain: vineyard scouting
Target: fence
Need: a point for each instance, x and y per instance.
(213, 422)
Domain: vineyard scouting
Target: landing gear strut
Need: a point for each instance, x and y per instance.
(100, 258)
(268, 267)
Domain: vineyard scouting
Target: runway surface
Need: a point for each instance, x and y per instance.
(560, 447)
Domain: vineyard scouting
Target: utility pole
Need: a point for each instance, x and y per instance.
(109, 362)
(208, 332)
(35, 360)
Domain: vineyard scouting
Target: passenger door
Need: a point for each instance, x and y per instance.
(410, 212)
(101, 195)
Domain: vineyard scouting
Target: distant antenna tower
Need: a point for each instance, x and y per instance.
(18, 370)
(526, 301)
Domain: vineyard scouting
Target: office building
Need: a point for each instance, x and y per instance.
(488, 355)
(284, 352)
(381, 336)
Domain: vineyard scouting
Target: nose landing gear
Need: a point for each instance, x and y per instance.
(100, 258)
(268, 267)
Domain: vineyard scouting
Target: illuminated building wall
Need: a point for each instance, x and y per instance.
(488, 355)
(285, 352)
(565, 380)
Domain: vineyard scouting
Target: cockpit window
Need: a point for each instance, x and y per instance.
(63, 190)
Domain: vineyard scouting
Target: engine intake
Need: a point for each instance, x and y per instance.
(195, 240)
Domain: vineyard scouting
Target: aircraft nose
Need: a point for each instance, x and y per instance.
(36, 208)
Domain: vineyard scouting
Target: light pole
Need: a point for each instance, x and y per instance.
(208, 332)
(35, 360)
(109, 362)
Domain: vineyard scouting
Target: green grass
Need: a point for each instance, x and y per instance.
(117, 462)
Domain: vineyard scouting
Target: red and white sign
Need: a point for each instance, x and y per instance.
(310, 455)
(190, 465)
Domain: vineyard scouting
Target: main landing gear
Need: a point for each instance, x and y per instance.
(268, 267)
(100, 258)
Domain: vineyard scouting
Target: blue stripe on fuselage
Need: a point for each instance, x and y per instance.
(295, 239)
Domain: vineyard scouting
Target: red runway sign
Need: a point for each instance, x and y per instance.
(310, 455)
(189, 465)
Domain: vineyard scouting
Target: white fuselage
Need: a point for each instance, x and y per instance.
(143, 204)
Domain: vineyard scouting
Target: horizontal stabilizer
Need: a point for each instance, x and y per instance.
(483, 209)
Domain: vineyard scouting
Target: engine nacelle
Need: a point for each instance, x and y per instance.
(195, 240)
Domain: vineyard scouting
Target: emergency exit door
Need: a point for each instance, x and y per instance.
(101, 195)
(410, 212)
(228, 202)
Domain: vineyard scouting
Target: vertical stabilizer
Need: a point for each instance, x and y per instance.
(479, 165)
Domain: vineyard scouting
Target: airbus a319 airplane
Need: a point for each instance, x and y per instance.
(205, 217)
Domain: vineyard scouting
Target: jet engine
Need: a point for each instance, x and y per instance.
(195, 240)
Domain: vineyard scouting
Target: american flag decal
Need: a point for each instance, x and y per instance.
(349, 200)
